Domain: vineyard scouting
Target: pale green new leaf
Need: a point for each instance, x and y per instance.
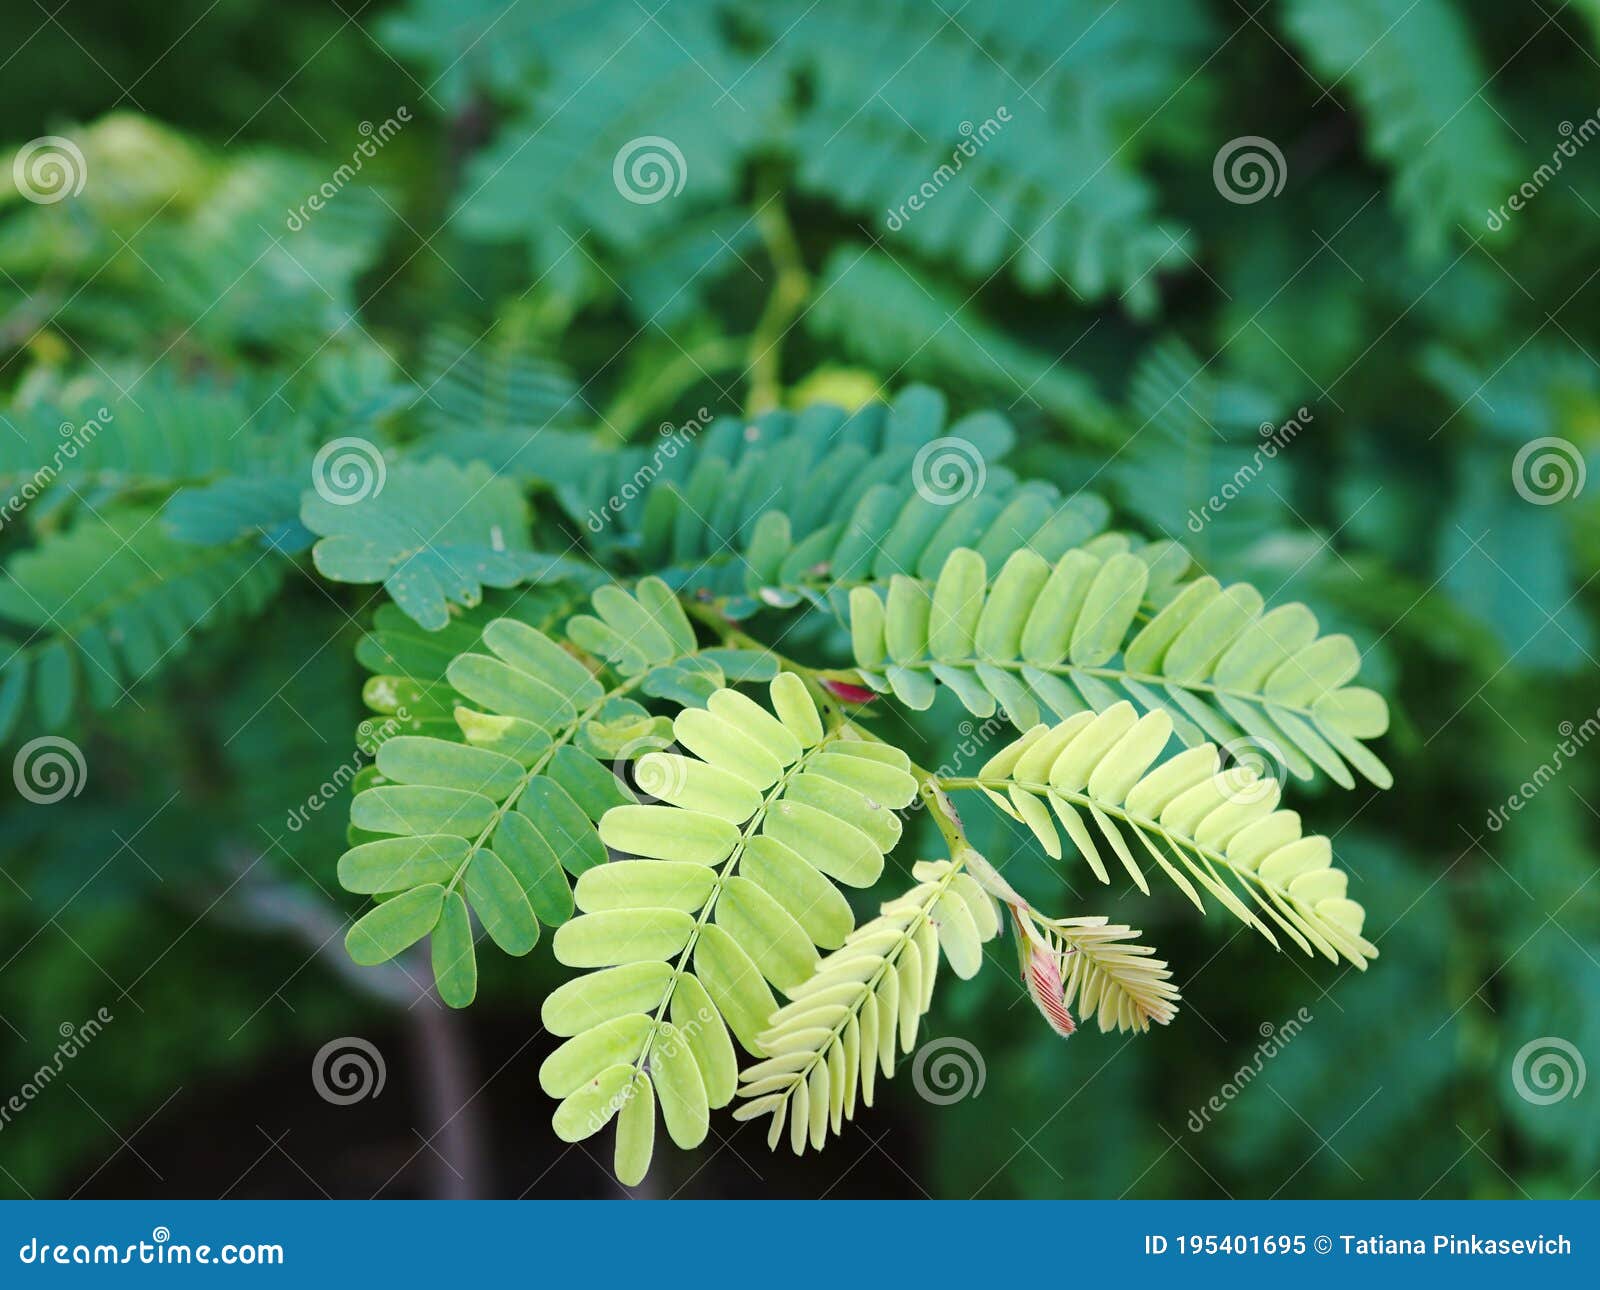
(722, 894)
(845, 1023)
(1200, 824)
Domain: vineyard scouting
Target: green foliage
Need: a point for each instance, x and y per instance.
(724, 889)
(1412, 67)
(1214, 662)
(215, 267)
(432, 535)
(889, 315)
(1041, 180)
(732, 889)
(863, 1003)
(1212, 821)
(498, 821)
(651, 363)
(107, 603)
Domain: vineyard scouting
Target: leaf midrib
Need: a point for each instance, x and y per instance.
(1145, 824)
(971, 662)
(890, 960)
(746, 833)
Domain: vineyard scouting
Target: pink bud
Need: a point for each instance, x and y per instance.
(849, 693)
(1042, 975)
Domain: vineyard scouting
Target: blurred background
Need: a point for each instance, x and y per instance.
(1142, 229)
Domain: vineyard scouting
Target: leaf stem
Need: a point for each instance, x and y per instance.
(628, 411)
(789, 293)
